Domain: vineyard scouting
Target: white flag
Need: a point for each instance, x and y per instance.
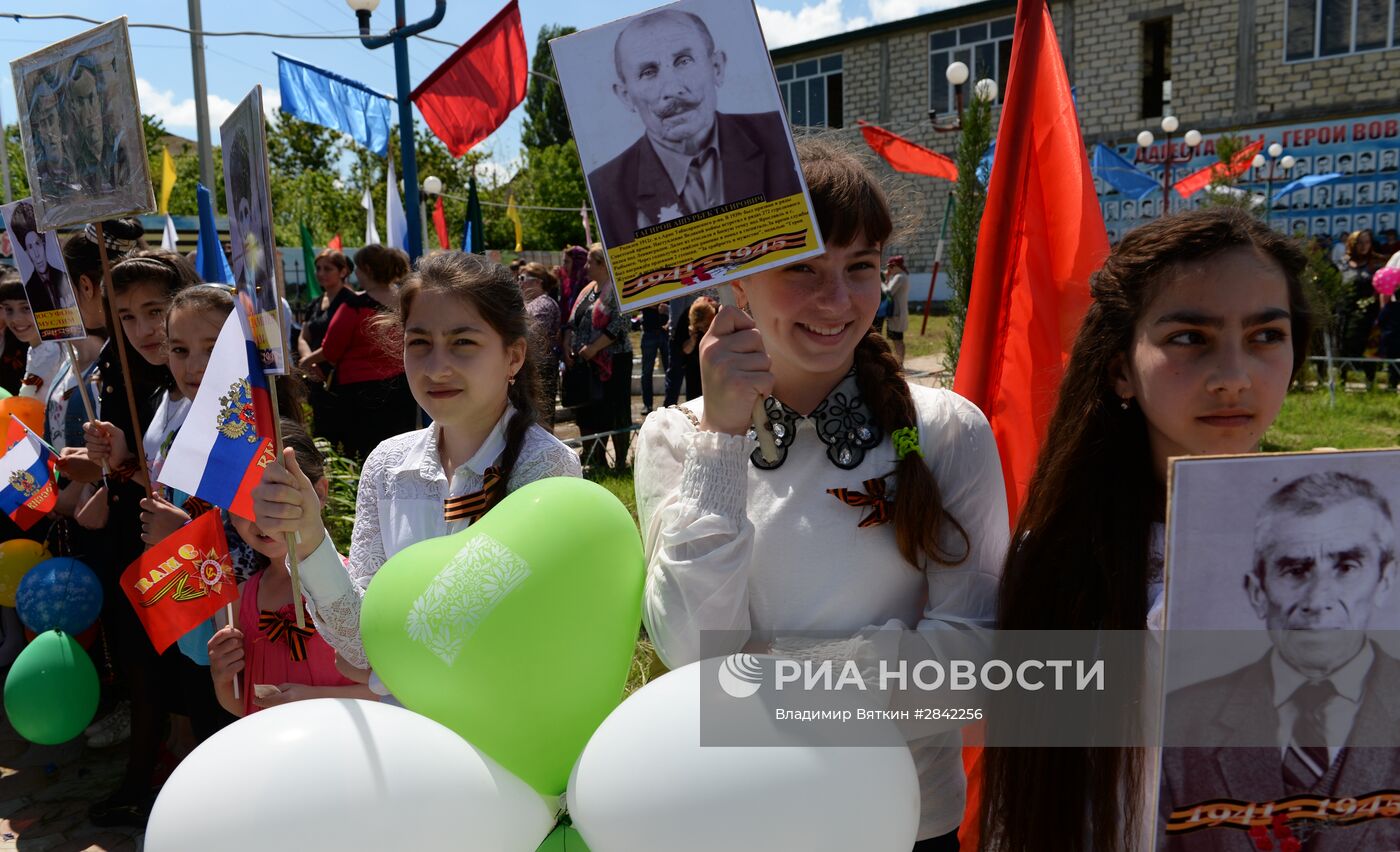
(169, 239)
(371, 230)
(394, 216)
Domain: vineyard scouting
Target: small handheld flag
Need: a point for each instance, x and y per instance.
(182, 581)
(28, 490)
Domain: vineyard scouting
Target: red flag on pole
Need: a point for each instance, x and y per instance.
(472, 92)
(182, 580)
(905, 156)
(335, 243)
(1042, 235)
(1238, 165)
(440, 223)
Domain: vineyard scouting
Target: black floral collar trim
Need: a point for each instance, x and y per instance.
(843, 421)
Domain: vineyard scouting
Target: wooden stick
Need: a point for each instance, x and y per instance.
(82, 392)
(767, 444)
(293, 539)
(228, 616)
(120, 339)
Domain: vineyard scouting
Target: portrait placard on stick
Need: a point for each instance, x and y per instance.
(80, 121)
(39, 257)
(1281, 671)
(254, 249)
(687, 150)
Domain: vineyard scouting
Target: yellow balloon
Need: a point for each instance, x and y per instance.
(16, 558)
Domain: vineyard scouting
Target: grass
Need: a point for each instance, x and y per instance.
(918, 345)
(1360, 420)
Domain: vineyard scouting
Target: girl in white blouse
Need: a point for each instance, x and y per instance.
(464, 333)
(1198, 325)
(885, 507)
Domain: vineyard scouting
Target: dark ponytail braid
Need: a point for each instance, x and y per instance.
(919, 514)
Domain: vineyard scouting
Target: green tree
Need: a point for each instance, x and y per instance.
(19, 173)
(1222, 190)
(969, 198)
(546, 120)
(295, 146)
(553, 177)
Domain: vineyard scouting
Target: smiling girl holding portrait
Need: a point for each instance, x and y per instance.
(885, 507)
(1197, 327)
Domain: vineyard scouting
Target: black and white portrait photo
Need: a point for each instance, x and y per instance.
(1365, 193)
(1344, 164)
(1323, 163)
(1320, 225)
(253, 248)
(1341, 224)
(1300, 198)
(84, 142)
(1130, 209)
(684, 117)
(1111, 211)
(1147, 208)
(1362, 221)
(1365, 162)
(1342, 194)
(1388, 192)
(1390, 159)
(39, 259)
(1282, 676)
(1302, 167)
(1322, 197)
(1385, 222)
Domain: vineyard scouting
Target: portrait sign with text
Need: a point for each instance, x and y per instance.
(80, 121)
(1281, 673)
(39, 258)
(686, 147)
(246, 192)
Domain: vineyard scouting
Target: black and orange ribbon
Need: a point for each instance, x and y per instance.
(881, 506)
(280, 628)
(472, 506)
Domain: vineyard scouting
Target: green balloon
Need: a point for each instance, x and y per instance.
(517, 632)
(564, 838)
(51, 691)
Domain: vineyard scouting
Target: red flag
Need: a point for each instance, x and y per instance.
(440, 223)
(335, 243)
(471, 93)
(182, 580)
(1042, 235)
(1238, 165)
(905, 156)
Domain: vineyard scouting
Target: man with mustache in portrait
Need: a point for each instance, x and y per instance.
(691, 157)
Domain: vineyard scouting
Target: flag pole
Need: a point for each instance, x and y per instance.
(83, 393)
(293, 539)
(937, 262)
(120, 339)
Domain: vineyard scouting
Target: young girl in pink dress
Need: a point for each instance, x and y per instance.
(273, 660)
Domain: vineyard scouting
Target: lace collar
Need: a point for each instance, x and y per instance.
(843, 422)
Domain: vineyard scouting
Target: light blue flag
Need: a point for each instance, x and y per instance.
(330, 100)
(1304, 182)
(1117, 172)
(209, 259)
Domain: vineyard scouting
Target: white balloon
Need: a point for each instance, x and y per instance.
(337, 773)
(644, 783)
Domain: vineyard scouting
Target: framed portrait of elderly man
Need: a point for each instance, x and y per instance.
(686, 147)
(39, 259)
(243, 138)
(1282, 671)
(80, 121)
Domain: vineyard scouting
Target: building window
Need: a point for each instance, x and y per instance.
(1317, 29)
(984, 48)
(812, 91)
(1156, 66)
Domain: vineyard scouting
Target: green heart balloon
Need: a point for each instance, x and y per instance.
(517, 632)
(51, 691)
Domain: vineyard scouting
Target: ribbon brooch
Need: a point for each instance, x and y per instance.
(874, 496)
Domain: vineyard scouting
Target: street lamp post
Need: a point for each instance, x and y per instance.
(1192, 139)
(1275, 161)
(398, 37)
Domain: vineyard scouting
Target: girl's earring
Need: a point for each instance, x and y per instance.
(510, 382)
(1123, 403)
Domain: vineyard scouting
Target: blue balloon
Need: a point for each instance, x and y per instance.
(59, 594)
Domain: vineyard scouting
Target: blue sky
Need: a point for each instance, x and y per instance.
(234, 65)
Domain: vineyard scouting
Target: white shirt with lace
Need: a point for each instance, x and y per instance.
(731, 547)
(400, 502)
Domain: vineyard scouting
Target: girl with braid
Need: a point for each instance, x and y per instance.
(464, 332)
(884, 513)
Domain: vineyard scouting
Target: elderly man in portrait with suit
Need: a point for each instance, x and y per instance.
(1325, 693)
(691, 157)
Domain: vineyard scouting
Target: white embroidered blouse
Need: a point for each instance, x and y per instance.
(731, 547)
(400, 502)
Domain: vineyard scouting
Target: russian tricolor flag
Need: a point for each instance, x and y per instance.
(226, 440)
(28, 490)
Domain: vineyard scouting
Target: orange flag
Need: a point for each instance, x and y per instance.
(182, 580)
(906, 156)
(1238, 165)
(335, 243)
